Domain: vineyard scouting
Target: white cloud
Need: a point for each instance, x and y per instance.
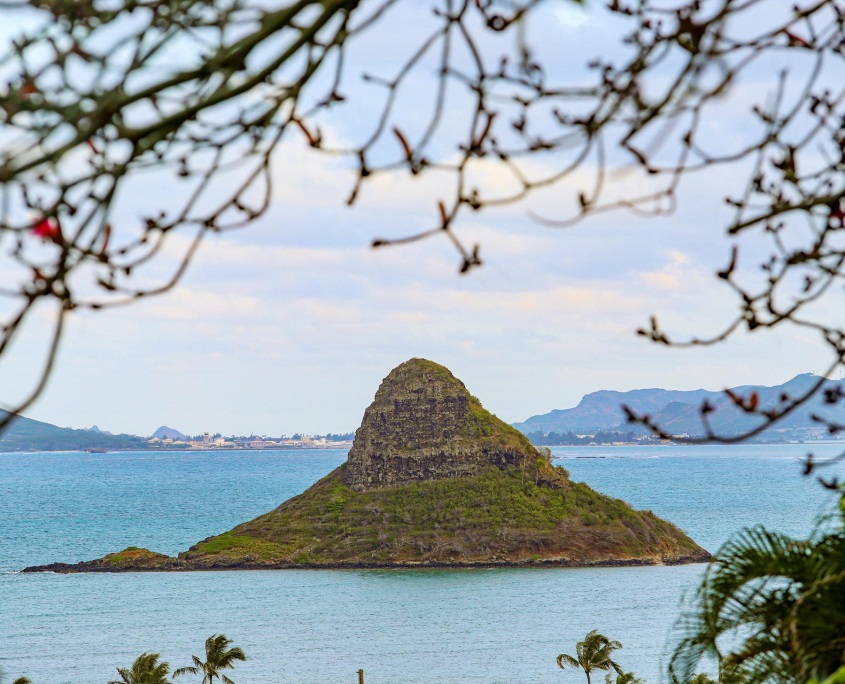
(184, 304)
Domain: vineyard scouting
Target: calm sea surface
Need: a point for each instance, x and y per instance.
(321, 626)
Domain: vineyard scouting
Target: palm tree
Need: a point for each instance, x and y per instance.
(594, 653)
(628, 678)
(701, 678)
(145, 670)
(779, 601)
(218, 656)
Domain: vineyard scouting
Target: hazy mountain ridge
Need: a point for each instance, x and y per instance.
(678, 411)
(95, 428)
(165, 432)
(26, 434)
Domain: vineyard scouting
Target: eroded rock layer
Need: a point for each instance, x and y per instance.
(424, 425)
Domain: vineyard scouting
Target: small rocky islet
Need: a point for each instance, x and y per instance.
(432, 480)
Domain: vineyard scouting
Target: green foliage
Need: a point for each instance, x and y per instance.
(244, 545)
(701, 678)
(780, 600)
(219, 656)
(338, 499)
(434, 369)
(25, 434)
(837, 677)
(131, 554)
(624, 678)
(594, 653)
(438, 520)
(145, 670)
(485, 425)
(562, 471)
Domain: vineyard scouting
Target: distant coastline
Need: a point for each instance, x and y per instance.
(27, 435)
(348, 445)
(597, 420)
(185, 449)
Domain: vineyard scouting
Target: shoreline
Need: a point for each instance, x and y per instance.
(85, 567)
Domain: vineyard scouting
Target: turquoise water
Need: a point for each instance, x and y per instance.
(321, 626)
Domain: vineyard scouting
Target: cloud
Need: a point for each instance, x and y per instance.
(677, 273)
(185, 304)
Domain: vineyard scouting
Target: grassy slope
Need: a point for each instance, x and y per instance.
(494, 517)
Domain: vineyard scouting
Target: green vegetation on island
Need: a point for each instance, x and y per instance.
(496, 517)
(432, 479)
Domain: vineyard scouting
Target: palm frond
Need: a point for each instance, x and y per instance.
(781, 599)
(703, 678)
(186, 670)
(564, 660)
(625, 678)
(125, 676)
(227, 658)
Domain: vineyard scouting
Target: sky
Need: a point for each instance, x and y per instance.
(290, 325)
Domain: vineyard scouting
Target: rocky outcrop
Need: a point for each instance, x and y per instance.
(424, 425)
(431, 480)
(132, 559)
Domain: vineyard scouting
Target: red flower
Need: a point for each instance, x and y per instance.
(48, 229)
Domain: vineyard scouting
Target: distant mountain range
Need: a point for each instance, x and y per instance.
(677, 411)
(25, 434)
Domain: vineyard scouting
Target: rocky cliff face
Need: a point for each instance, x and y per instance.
(424, 425)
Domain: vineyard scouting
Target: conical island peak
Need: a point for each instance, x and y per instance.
(423, 425)
(432, 479)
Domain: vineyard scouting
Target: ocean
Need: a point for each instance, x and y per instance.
(321, 626)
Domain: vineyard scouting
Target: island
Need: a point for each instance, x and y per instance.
(432, 480)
